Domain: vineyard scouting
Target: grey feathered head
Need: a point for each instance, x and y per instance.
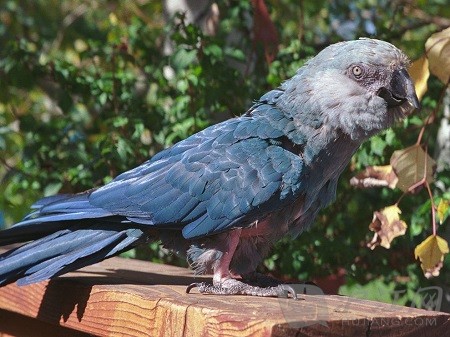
(359, 87)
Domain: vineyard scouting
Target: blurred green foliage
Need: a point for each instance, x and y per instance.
(87, 92)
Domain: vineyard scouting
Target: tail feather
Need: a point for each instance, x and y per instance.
(65, 251)
(10, 268)
(73, 215)
(52, 214)
(63, 208)
(23, 233)
(68, 233)
(77, 258)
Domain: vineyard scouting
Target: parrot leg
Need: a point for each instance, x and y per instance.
(225, 283)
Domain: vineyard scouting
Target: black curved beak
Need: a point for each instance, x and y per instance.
(400, 90)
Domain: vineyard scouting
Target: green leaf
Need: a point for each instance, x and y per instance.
(183, 58)
(377, 145)
(182, 85)
(213, 50)
(120, 121)
(123, 148)
(235, 53)
(52, 188)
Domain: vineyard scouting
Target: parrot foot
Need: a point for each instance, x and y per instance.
(236, 287)
(263, 280)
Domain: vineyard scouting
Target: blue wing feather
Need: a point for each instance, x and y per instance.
(228, 175)
(213, 180)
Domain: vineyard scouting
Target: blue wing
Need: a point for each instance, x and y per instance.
(226, 176)
(229, 175)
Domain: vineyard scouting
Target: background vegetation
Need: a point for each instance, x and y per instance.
(89, 89)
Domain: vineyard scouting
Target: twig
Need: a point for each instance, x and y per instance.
(433, 208)
(70, 18)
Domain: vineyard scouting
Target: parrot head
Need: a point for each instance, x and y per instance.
(381, 68)
(359, 87)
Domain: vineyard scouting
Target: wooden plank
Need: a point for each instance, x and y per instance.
(120, 297)
(15, 325)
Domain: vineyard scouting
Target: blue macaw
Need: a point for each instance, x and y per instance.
(225, 195)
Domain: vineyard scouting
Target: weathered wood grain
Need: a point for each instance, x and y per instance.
(120, 297)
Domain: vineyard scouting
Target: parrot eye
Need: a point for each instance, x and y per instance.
(357, 71)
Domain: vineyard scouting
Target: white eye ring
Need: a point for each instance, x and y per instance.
(357, 71)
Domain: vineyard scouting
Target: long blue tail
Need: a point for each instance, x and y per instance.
(68, 234)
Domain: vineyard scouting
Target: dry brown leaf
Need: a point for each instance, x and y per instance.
(419, 72)
(387, 225)
(375, 176)
(411, 166)
(431, 254)
(438, 52)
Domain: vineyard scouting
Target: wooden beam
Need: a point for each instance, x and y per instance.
(121, 297)
(15, 325)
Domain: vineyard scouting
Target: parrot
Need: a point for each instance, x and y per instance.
(224, 196)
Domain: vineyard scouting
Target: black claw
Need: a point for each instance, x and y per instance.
(289, 291)
(192, 286)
